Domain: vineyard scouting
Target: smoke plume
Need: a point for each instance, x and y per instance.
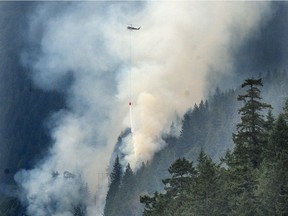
(85, 51)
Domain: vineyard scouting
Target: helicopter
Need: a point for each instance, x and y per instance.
(130, 27)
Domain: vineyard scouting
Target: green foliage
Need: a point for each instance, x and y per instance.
(115, 181)
(251, 130)
(206, 127)
(128, 178)
(155, 205)
(273, 181)
(123, 201)
(176, 188)
(245, 182)
(189, 191)
(116, 174)
(181, 171)
(277, 143)
(205, 194)
(251, 180)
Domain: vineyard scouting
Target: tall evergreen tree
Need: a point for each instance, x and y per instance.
(273, 187)
(156, 205)
(270, 121)
(205, 193)
(173, 201)
(273, 178)
(250, 142)
(249, 139)
(125, 196)
(115, 181)
(282, 207)
(128, 177)
(239, 186)
(182, 172)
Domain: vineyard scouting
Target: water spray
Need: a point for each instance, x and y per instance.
(131, 121)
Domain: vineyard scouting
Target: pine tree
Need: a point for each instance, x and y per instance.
(280, 140)
(273, 181)
(249, 139)
(266, 153)
(155, 205)
(270, 121)
(205, 194)
(128, 178)
(115, 181)
(282, 160)
(126, 194)
(182, 172)
(239, 185)
(250, 143)
(173, 201)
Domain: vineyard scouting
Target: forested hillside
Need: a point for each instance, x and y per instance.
(212, 168)
(251, 180)
(210, 129)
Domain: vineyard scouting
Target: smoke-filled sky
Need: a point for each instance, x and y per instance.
(83, 50)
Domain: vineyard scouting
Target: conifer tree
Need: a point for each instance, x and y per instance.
(128, 177)
(239, 186)
(270, 121)
(250, 142)
(115, 181)
(155, 205)
(268, 127)
(274, 179)
(169, 203)
(249, 139)
(206, 191)
(282, 174)
(182, 172)
(125, 196)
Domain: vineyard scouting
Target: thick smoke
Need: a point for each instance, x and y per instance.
(180, 45)
(84, 52)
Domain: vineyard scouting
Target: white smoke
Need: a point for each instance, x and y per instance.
(85, 53)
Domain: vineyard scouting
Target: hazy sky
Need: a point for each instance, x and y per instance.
(84, 50)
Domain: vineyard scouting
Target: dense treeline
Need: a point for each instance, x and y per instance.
(250, 180)
(124, 200)
(215, 117)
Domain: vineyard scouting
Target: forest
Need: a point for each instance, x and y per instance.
(229, 159)
(215, 167)
(250, 179)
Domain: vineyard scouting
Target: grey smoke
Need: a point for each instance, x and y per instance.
(82, 49)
